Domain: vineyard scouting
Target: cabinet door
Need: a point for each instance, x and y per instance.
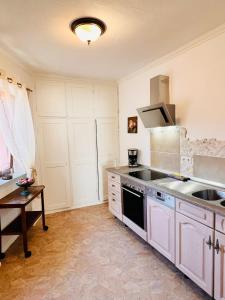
(50, 98)
(107, 141)
(161, 228)
(79, 100)
(193, 256)
(83, 161)
(105, 101)
(219, 281)
(54, 165)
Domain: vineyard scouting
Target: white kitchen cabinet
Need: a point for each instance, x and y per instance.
(50, 98)
(195, 212)
(80, 100)
(77, 139)
(54, 162)
(220, 223)
(219, 272)
(161, 228)
(107, 141)
(83, 161)
(194, 257)
(114, 195)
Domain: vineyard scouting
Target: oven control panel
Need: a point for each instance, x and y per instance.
(133, 185)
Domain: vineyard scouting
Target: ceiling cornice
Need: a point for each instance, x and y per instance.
(194, 43)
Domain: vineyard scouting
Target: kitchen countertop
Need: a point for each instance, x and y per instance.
(176, 188)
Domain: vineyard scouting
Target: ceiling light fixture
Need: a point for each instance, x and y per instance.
(88, 29)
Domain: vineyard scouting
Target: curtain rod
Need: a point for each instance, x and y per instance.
(11, 80)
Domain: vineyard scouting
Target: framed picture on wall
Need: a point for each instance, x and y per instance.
(132, 125)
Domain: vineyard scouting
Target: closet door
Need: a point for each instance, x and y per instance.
(79, 100)
(53, 146)
(83, 162)
(107, 141)
(51, 98)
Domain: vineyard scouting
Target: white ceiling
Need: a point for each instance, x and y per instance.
(138, 32)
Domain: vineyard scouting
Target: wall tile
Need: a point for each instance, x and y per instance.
(165, 139)
(210, 168)
(201, 147)
(165, 161)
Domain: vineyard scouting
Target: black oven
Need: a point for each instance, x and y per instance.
(134, 205)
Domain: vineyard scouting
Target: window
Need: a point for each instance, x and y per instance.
(5, 157)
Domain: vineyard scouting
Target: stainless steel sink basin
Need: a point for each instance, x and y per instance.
(210, 195)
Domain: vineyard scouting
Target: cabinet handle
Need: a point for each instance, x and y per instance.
(209, 242)
(113, 194)
(113, 199)
(217, 247)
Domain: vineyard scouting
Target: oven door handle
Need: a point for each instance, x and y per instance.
(131, 192)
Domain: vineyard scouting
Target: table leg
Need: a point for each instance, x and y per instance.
(45, 228)
(2, 255)
(24, 231)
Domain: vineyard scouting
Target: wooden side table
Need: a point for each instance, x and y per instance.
(26, 219)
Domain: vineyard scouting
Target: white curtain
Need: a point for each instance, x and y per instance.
(16, 125)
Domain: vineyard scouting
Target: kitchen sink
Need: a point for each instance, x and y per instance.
(210, 195)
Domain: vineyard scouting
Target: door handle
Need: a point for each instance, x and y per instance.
(217, 247)
(131, 192)
(209, 242)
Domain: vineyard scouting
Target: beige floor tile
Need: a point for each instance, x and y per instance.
(87, 254)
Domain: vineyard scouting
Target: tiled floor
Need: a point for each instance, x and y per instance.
(87, 254)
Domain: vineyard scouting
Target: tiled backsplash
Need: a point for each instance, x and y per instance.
(193, 153)
(172, 150)
(165, 148)
(209, 167)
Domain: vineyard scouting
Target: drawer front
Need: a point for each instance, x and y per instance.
(220, 223)
(115, 206)
(115, 203)
(196, 213)
(114, 177)
(113, 193)
(114, 186)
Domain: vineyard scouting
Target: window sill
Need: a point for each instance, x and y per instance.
(14, 179)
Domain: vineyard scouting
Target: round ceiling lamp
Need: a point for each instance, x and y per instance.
(88, 29)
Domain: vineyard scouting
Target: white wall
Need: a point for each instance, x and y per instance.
(197, 87)
(13, 69)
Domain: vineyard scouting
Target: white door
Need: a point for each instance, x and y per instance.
(194, 257)
(161, 228)
(107, 141)
(54, 165)
(219, 278)
(83, 161)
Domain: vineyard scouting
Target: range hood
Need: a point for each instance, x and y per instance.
(159, 113)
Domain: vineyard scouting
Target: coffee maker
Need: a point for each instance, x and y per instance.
(132, 157)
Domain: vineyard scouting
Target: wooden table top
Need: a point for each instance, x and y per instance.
(15, 200)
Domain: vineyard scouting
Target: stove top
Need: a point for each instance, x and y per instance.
(148, 174)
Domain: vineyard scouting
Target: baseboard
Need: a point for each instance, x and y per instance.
(75, 207)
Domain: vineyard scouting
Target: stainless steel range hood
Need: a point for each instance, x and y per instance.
(160, 112)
